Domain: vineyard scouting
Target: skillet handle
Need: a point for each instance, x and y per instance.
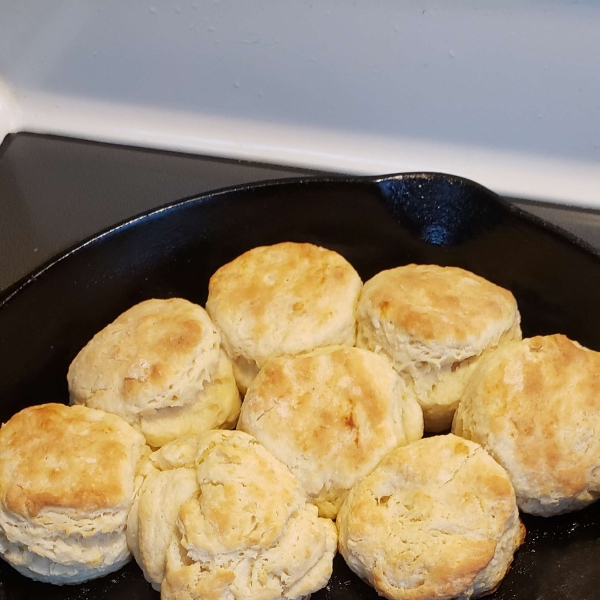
(444, 210)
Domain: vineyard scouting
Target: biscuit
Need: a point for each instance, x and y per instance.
(160, 367)
(436, 519)
(217, 516)
(216, 407)
(434, 323)
(534, 405)
(282, 300)
(67, 483)
(330, 415)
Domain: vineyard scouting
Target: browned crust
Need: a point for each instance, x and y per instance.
(54, 456)
(431, 302)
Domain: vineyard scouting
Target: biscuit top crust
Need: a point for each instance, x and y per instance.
(437, 489)
(71, 459)
(284, 299)
(441, 304)
(143, 357)
(330, 415)
(535, 405)
(247, 496)
(245, 531)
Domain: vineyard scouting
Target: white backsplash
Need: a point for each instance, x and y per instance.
(504, 92)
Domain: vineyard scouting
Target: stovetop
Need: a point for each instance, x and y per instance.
(56, 192)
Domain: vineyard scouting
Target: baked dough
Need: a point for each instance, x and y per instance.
(282, 300)
(217, 406)
(330, 415)
(67, 483)
(436, 519)
(434, 323)
(218, 517)
(160, 367)
(535, 406)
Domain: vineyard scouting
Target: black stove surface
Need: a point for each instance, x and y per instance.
(56, 192)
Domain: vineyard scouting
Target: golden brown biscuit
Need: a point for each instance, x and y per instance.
(282, 300)
(160, 367)
(535, 406)
(218, 517)
(434, 323)
(330, 415)
(436, 519)
(67, 482)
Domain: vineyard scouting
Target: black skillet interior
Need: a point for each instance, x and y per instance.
(376, 223)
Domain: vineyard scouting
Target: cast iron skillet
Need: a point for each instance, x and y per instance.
(376, 223)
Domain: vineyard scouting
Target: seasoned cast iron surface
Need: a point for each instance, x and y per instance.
(375, 224)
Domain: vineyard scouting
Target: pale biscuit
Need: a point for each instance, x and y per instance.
(67, 482)
(330, 415)
(434, 323)
(216, 407)
(218, 517)
(160, 367)
(282, 300)
(535, 406)
(436, 519)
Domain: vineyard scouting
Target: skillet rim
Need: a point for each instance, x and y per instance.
(14, 289)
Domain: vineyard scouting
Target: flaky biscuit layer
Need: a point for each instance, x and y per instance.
(436, 519)
(157, 354)
(217, 516)
(434, 323)
(159, 366)
(217, 406)
(330, 415)
(67, 482)
(535, 406)
(282, 300)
